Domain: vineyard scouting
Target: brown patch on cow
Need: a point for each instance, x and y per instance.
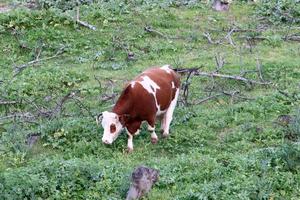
(113, 128)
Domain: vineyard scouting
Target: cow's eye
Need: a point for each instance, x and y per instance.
(112, 128)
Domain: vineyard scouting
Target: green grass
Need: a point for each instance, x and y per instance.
(222, 149)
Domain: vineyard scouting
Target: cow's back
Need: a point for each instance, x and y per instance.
(165, 81)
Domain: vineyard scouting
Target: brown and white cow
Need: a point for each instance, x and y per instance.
(151, 95)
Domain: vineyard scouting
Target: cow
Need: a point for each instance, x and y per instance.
(151, 95)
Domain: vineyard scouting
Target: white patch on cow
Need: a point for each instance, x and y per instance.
(166, 68)
(169, 114)
(173, 84)
(159, 111)
(150, 128)
(110, 118)
(150, 86)
(132, 84)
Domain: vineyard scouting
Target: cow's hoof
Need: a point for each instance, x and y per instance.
(129, 150)
(165, 135)
(154, 140)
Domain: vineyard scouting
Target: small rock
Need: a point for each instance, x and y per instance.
(142, 180)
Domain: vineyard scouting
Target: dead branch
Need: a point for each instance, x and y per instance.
(208, 98)
(85, 24)
(286, 38)
(148, 29)
(258, 66)
(232, 94)
(20, 68)
(196, 72)
(25, 115)
(210, 41)
(186, 88)
(82, 23)
(3, 102)
(219, 62)
(233, 77)
(81, 105)
(244, 72)
(228, 37)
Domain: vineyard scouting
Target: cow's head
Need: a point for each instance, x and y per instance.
(112, 126)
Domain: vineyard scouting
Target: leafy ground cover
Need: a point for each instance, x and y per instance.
(244, 146)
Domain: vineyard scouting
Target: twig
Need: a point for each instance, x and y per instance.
(219, 62)
(20, 68)
(208, 98)
(186, 87)
(258, 66)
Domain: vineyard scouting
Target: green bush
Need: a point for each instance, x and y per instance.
(61, 179)
(287, 11)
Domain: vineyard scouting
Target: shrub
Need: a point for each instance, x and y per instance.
(61, 179)
(285, 11)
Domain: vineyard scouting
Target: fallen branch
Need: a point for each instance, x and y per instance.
(20, 68)
(148, 29)
(208, 98)
(196, 72)
(82, 23)
(287, 38)
(7, 102)
(26, 115)
(231, 94)
(228, 37)
(233, 77)
(210, 41)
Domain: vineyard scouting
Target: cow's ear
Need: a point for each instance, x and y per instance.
(124, 119)
(99, 118)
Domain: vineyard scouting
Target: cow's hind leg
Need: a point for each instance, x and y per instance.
(166, 121)
(151, 128)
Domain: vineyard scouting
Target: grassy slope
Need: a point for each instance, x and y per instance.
(217, 150)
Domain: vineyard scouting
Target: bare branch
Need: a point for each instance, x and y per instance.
(3, 102)
(258, 66)
(228, 37)
(20, 68)
(210, 41)
(286, 38)
(233, 77)
(82, 23)
(208, 98)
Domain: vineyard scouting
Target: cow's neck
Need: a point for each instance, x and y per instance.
(124, 103)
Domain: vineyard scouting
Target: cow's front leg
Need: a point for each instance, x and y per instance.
(154, 137)
(132, 129)
(130, 142)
